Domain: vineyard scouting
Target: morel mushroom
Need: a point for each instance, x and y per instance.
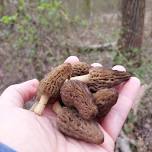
(51, 84)
(99, 77)
(70, 123)
(105, 99)
(76, 94)
(80, 68)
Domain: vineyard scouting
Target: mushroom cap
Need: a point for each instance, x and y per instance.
(76, 94)
(80, 68)
(100, 77)
(104, 100)
(52, 83)
(71, 124)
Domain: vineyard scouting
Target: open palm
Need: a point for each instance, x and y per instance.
(26, 132)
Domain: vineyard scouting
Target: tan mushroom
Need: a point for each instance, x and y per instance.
(100, 77)
(104, 100)
(76, 94)
(80, 68)
(51, 84)
(71, 124)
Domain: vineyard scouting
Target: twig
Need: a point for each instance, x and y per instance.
(100, 47)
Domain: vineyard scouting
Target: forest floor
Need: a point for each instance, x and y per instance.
(33, 60)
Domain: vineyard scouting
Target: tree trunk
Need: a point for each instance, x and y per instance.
(133, 12)
(1, 7)
(87, 8)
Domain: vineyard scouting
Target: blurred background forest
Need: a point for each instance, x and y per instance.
(37, 35)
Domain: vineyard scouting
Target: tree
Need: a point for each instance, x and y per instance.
(133, 13)
(87, 8)
(1, 7)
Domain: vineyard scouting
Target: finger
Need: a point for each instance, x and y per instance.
(18, 94)
(71, 59)
(115, 119)
(108, 141)
(96, 65)
(119, 68)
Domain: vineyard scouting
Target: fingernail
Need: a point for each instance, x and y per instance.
(96, 65)
(135, 80)
(71, 59)
(119, 68)
(35, 83)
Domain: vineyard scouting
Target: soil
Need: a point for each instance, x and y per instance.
(20, 65)
(143, 130)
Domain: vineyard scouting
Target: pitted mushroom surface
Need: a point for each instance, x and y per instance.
(100, 77)
(76, 94)
(85, 97)
(51, 84)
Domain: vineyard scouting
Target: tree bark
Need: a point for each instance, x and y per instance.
(1, 7)
(133, 13)
(87, 8)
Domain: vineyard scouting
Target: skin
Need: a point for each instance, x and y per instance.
(25, 131)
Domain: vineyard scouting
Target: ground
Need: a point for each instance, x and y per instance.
(29, 49)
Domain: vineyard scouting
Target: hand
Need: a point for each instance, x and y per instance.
(27, 132)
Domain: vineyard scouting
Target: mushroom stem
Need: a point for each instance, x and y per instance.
(57, 107)
(83, 78)
(33, 106)
(39, 108)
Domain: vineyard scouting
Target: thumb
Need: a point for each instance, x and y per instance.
(18, 94)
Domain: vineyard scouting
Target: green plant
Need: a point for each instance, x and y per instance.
(21, 5)
(52, 14)
(53, 5)
(79, 21)
(141, 72)
(9, 19)
(119, 58)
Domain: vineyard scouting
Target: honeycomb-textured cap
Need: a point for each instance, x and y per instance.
(80, 68)
(106, 78)
(104, 100)
(76, 94)
(52, 83)
(71, 124)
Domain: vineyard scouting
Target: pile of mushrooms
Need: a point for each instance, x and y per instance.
(87, 94)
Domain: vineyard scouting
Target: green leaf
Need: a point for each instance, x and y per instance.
(8, 19)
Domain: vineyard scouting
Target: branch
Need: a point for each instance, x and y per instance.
(99, 47)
